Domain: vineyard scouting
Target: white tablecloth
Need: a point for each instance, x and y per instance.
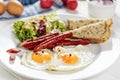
(113, 73)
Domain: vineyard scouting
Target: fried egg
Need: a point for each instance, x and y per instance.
(66, 58)
(70, 58)
(40, 60)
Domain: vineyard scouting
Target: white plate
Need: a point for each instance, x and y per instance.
(106, 54)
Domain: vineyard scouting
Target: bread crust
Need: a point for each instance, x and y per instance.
(74, 24)
(107, 24)
(104, 38)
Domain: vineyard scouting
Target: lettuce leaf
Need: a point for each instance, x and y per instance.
(23, 33)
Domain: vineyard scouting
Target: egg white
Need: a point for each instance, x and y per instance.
(27, 61)
(83, 53)
(85, 56)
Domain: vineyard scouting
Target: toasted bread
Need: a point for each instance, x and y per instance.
(74, 24)
(96, 33)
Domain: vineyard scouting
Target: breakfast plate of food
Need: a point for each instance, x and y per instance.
(58, 46)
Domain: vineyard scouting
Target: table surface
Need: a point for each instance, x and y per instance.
(113, 73)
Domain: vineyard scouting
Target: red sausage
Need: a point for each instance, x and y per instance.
(68, 42)
(30, 44)
(52, 41)
(51, 46)
(73, 42)
(39, 39)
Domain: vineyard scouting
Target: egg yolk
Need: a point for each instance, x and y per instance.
(69, 58)
(41, 58)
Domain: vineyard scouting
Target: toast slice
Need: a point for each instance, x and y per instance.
(74, 24)
(96, 33)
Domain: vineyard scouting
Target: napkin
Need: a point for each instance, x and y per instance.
(32, 9)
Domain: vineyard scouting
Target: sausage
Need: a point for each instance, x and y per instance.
(30, 44)
(72, 42)
(52, 41)
(68, 42)
(40, 39)
(51, 46)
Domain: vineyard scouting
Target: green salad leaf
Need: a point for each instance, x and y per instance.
(23, 33)
(58, 24)
(30, 29)
(55, 23)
